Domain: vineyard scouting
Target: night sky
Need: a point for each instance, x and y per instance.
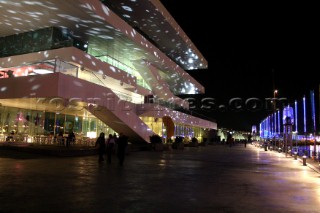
(249, 48)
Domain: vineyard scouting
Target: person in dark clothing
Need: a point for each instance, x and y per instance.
(71, 138)
(122, 144)
(229, 139)
(101, 146)
(110, 147)
(249, 140)
(60, 138)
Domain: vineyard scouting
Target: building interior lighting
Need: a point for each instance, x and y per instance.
(42, 71)
(9, 73)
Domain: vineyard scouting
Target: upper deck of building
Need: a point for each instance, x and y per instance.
(108, 33)
(153, 20)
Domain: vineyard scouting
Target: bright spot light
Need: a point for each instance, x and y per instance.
(42, 71)
(127, 8)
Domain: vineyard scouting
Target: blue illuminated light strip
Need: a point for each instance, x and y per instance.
(271, 124)
(268, 126)
(279, 127)
(264, 128)
(313, 110)
(304, 115)
(275, 124)
(296, 115)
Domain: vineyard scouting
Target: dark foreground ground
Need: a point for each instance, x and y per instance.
(203, 179)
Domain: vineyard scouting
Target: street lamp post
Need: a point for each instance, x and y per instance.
(288, 134)
(275, 93)
(287, 128)
(294, 137)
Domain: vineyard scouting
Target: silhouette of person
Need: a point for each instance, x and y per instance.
(122, 144)
(229, 139)
(249, 140)
(101, 146)
(110, 147)
(71, 138)
(60, 138)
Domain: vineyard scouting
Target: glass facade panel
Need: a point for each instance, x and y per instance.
(39, 40)
(33, 123)
(49, 122)
(155, 124)
(60, 121)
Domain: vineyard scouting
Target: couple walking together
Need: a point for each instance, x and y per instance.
(109, 147)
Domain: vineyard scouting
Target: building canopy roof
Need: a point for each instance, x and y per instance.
(152, 20)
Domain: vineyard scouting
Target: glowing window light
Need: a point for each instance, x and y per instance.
(42, 71)
(91, 134)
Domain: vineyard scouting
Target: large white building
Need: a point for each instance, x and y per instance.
(95, 66)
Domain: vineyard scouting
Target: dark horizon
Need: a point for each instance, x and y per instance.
(249, 52)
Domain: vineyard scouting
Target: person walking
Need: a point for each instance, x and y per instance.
(110, 147)
(122, 144)
(101, 146)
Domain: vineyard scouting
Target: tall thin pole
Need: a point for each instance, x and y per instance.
(296, 115)
(314, 123)
(274, 105)
(279, 125)
(296, 123)
(274, 90)
(313, 111)
(275, 124)
(304, 116)
(305, 122)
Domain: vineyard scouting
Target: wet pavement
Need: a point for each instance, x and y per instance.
(214, 178)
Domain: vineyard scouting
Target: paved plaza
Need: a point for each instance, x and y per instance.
(214, 178)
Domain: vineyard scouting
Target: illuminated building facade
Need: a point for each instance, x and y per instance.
(92, 66)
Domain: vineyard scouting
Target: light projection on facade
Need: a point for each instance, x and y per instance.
(93, 68)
